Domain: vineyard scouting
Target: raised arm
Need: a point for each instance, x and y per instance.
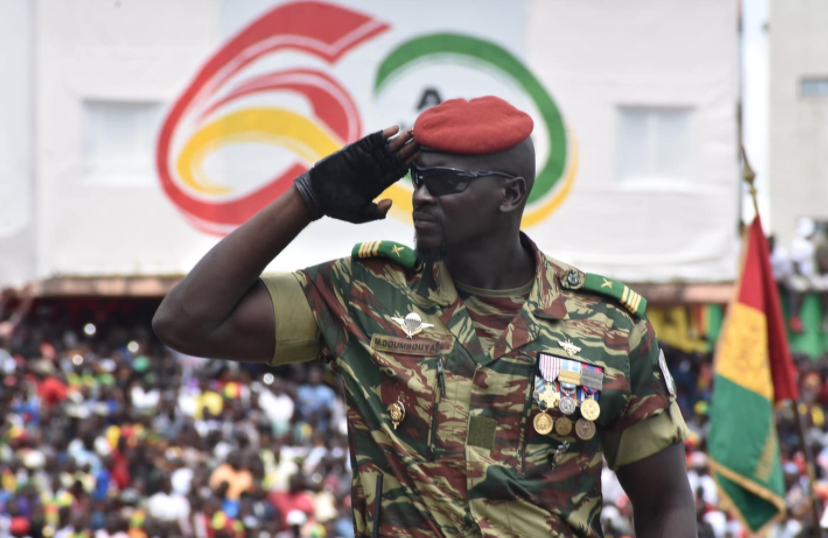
(221, 309)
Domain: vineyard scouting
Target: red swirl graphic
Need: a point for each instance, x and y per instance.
(324, 30)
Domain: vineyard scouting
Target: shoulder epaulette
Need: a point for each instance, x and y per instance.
(396, 252)
(632, 301)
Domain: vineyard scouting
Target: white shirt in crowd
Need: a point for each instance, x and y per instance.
(709, 492)
(168, 507)
(145, 399)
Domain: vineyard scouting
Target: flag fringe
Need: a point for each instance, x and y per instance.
(751, 486)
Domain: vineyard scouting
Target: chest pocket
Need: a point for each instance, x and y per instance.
(409, 390)
(499, 399)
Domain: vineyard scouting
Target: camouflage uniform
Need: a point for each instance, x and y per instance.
(466, 459)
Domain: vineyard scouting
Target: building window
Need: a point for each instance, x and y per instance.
(119, 142)
(654, 143)
(815, 87)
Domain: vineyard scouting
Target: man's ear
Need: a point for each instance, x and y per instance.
(514, 195)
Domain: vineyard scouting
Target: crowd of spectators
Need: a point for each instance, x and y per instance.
(108, 434)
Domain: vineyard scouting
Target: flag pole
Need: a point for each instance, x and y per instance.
(749, 176)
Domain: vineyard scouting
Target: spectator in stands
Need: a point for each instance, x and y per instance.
(316, 400)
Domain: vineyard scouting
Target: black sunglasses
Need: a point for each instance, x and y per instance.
(441, 181)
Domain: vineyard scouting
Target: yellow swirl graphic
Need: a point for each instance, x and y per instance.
(306, 138)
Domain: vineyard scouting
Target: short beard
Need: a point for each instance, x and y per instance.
(433, 254)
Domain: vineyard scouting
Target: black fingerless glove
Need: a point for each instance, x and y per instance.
(343, 185)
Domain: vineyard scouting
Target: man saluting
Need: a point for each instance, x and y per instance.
(484, 380)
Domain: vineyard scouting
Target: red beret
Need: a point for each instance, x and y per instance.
(477, 127)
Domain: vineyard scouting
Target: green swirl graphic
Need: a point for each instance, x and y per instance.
(468, 48)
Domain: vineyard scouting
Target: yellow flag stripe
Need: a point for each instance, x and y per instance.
(743, 350)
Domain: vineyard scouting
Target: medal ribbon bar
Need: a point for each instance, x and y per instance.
(570, 375)
(592, 379)
(550, 366)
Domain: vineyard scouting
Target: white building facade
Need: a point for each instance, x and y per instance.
(798, 113)
(136, 133)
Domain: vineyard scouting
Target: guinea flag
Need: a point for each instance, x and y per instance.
(752, 372)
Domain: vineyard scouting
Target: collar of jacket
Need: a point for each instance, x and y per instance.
(545, 300)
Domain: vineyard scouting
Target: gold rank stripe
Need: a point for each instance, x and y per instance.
(388, 249)
(630, 299)
(369, 248)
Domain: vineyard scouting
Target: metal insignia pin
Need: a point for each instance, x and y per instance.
(397, 412)
(412, 324)
(570, 348)
(560, 452)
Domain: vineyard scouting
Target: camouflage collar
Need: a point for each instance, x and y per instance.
(545, 300)
(436, 284)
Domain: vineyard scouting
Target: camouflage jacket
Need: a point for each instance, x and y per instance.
(465, 460)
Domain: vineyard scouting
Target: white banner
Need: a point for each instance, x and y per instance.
(164, 125)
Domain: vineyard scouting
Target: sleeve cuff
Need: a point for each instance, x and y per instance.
(644, 438)
(297, 335)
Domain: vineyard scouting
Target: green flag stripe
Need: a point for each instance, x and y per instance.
(744, 452)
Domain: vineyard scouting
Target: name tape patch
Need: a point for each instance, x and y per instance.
(423, 347)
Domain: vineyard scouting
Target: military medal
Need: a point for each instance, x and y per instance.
(545, 391)
(397, 412)
(592, 379)
(585, 429)
(590, 409)
(412, 324)
(545, 394)
(567, 405)
(570, 348)
(550, 396)
(543, 423)
(563, 426)
(570, 378)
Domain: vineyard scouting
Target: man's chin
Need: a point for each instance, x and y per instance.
(428, 251)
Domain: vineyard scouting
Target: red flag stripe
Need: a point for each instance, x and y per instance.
(757, 288)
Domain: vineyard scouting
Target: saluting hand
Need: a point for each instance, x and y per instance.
(343, 185)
